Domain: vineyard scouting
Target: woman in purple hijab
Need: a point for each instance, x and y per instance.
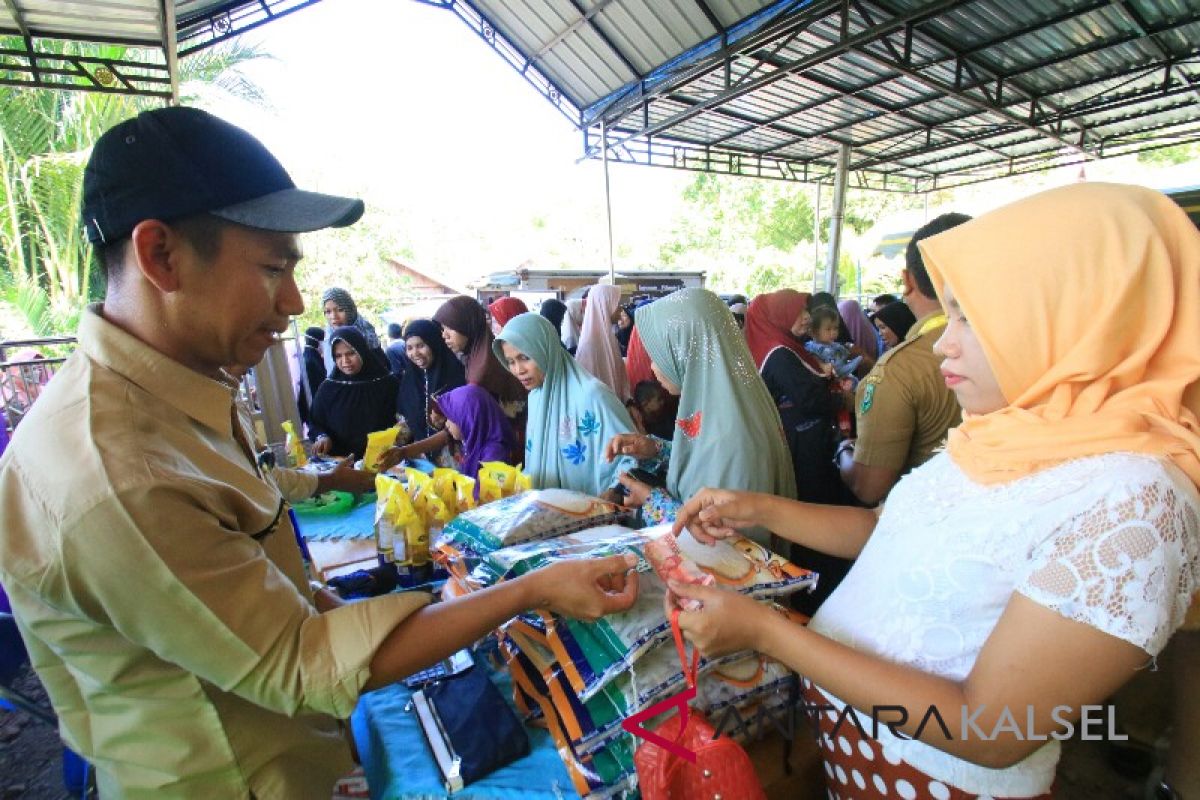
(476, 421)
(862, 331)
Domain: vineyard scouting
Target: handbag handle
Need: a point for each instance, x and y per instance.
(689, 674)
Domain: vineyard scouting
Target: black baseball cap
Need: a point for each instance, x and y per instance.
(171, 163)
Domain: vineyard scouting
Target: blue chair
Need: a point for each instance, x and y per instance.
(77, 773)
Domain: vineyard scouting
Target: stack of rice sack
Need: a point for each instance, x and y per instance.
(583, 679)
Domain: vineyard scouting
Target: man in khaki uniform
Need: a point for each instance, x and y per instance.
(153, 571)
(903, 406)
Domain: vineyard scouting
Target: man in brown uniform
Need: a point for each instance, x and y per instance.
(903, 406)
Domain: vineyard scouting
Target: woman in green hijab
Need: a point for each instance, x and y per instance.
(728, 432)
(571, 413)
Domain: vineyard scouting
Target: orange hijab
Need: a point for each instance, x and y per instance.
(1098, 350)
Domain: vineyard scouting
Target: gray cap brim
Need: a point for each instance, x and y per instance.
(294, 211)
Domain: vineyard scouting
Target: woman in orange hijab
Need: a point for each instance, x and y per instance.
(1017, 579)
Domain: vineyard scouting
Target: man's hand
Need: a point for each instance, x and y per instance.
(637, 493)
(390, 458)
(322, 446)
(587, 589)
(345, 478)
(726, 622)
(630, 444)
(714, 514)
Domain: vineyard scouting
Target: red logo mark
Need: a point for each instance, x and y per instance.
(633, 724)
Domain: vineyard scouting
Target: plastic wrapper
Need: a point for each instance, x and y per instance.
(377, 442)
(528, 516)
(444, 488)
(670, 564)
(386, 512)
(591, 654)
(464, 492)
(296, 457)
(498, 480)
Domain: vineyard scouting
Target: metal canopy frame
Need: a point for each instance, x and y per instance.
(929, 94)
(68, 44)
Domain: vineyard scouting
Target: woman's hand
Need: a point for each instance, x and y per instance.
(637, 445)
(727, 622)
(637, 492)
(390, 458)
(322, 445)
(614, 496)
(587, 588)
(714, 514)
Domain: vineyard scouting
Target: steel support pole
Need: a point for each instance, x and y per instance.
(612, 273)
(836, 219)
(170, 47)
(273, 380)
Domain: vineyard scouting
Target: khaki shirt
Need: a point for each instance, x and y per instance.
(903, 406)
(160, 590)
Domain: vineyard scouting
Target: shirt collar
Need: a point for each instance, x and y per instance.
(927, 323)
(202, 398)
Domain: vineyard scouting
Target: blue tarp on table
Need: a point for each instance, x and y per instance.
(400, 766)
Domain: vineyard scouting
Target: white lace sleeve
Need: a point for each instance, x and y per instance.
(1128, 566)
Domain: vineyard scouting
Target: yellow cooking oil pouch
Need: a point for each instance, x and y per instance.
(377, 442)
(464, 492)
(292, 444)
(387, 508)
(443, 485)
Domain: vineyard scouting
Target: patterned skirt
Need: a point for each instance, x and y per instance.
(856, 767)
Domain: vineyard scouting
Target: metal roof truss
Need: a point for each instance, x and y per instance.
(928, 94)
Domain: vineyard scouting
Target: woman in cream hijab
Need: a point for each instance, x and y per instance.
(599, 352)
(1024, 574)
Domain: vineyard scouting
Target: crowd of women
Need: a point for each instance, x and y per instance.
(1046, 554)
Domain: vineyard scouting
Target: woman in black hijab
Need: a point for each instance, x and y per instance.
(554, 310)
(358, 397)
(893, 322)
(624, 328)
(433, 369)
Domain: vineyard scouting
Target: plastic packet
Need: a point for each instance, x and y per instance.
(464, 492)
(296, 456)
(443, 486)
(377, 442)
(671, 564)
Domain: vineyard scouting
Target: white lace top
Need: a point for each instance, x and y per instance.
(1111, 541)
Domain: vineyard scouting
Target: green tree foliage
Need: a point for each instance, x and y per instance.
(46, 269)
(356, 259)
(754, 236)
(1170, 156)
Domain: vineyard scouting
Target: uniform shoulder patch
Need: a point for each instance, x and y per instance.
(868, 395)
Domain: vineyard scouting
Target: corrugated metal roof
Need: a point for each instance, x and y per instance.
(928, 93)
(67, 44)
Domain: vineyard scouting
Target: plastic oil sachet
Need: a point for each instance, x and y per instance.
(386, 511)
(464, 492)
(293, 445)
(377, 442)
(443, 486)
(497, 480)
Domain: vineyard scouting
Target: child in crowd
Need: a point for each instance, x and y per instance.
(651, 409)
(825, 346)
(478, 426)
(835, 360)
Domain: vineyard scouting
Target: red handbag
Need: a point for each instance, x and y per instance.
(665, 767)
